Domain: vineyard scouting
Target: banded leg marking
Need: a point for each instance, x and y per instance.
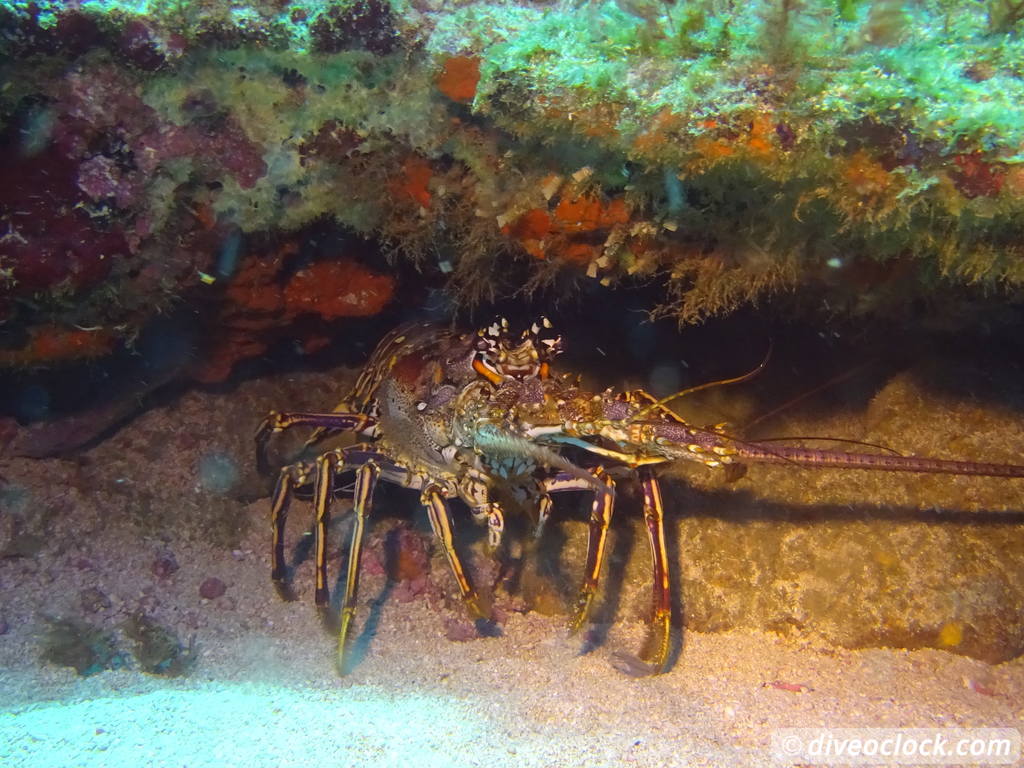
(366, 482)
(484, 510)
(326, 467)
(597, 541)
(493, 515)
(659, 645)
(544, 505)
(441, 521)
(287, 479)
(278, 422)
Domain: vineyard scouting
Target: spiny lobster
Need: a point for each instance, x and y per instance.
(480, 417)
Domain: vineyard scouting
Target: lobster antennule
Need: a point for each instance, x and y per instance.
(662, 404)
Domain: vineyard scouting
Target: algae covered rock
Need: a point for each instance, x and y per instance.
(83, 646)
(231, 154)
(157, 649)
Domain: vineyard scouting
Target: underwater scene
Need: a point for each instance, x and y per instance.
(542, 383)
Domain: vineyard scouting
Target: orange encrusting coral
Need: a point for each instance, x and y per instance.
(259, 305)
(975, 176)
(459, 78)
(544, 233)
(760, 139)
(865, 176)
(219, 359)
(711, 149)
(587, 213)
(334, 289)
(535, 224)
(659, 133)
(757, 141)
(580, 253)
(531, 229)
(255, 287)
(415, 181)
(54, 344)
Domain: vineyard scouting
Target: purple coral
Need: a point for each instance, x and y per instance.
(365, 24)
(49, 237)
(102, 178)
(147, 47)
(226, 147)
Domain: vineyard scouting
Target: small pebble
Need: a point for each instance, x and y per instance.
(164, 566)
(4, 627)
(460, 631)
(212, 588)
(147, 604)
(978, 686)
(94, 600)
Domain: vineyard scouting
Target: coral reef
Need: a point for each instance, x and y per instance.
(869, 153)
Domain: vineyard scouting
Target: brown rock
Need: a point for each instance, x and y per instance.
(212, 588)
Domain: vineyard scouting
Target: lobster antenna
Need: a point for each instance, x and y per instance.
(865, 443)
(661, 404)
(811, 392)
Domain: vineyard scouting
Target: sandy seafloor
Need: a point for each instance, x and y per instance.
(262, 691)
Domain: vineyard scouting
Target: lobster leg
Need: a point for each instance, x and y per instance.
(284, 489)
(544, 505)
(322, 495)
(327, 466)
(597, 541)
(659, 640)
(658, 645)
(600, 520)
(478, 496)
(441, 521)
(278, 422)
(366, 481)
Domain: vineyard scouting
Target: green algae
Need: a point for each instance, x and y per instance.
(157, 649)
(78, 644)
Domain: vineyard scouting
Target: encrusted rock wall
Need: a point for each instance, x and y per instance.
(205, 152)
